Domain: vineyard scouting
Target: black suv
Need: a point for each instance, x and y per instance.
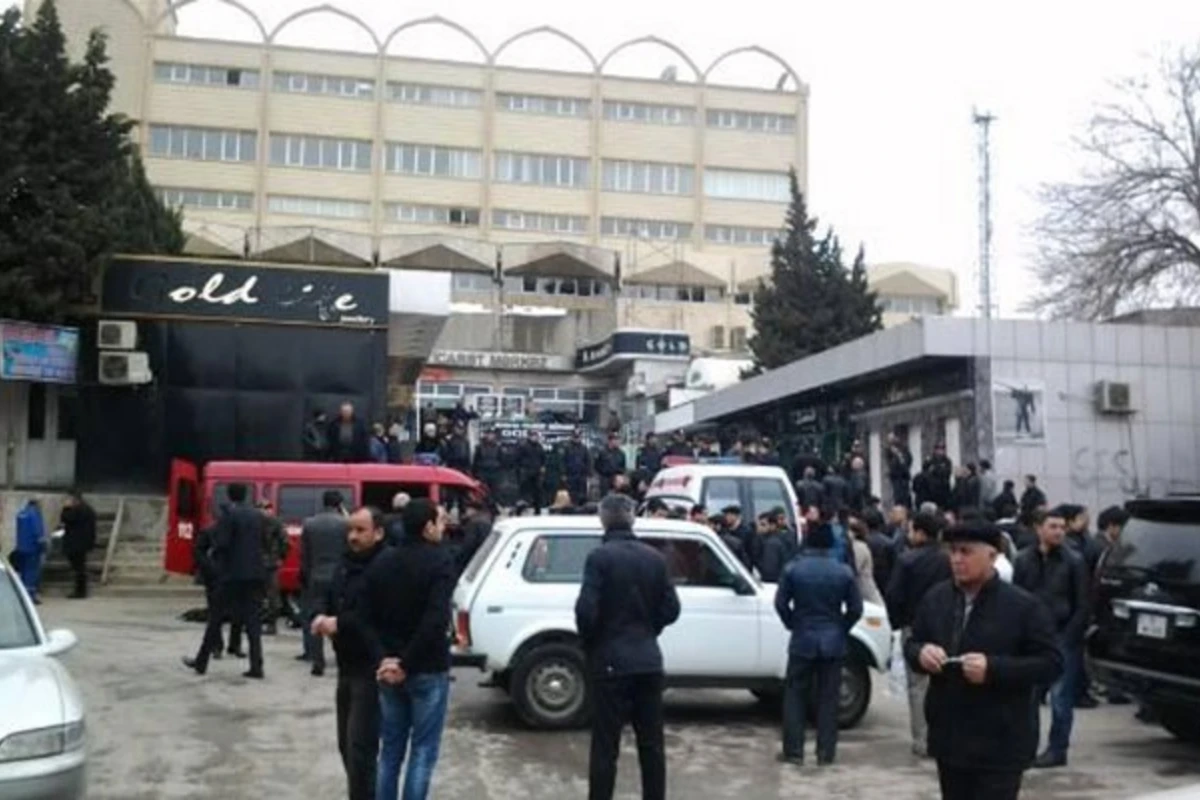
(1146, 641)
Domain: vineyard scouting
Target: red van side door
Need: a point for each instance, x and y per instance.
(184, 510)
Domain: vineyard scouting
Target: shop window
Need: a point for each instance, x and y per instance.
(35, 429)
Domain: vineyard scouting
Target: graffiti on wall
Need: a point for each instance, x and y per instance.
(1114, 470)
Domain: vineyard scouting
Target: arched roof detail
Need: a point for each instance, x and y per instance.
(552, 31)
(174, 7)
(656, 40)
(326, 8)
(442, 21)
(758, 50)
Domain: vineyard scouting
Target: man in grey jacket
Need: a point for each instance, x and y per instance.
(322, 543)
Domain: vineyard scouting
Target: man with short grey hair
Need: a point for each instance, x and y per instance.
(625, 602)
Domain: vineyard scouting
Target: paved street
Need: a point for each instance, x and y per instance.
(158, 732)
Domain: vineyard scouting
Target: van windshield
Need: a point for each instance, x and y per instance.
(1167, 549)
(481, 556)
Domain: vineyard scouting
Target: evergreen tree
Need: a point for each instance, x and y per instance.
(811, 302)
(72, 187)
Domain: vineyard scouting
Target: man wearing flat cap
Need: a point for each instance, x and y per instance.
(987, 646)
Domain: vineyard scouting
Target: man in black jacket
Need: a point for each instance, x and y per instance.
(531, 469)
(342, 617)
(577, 466)
(489, 462)
(347, 437)
(987, 646)
(238, 554)
(322, 544)
(1057, 576)
(79, 537)
(610, 462)
(625, 602)
(923, 565)
(407, 593)
(1033, 497)
(809, 490)
(649, 458)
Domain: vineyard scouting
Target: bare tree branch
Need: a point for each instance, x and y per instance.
(1127, 234)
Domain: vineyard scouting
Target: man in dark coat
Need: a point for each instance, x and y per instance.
(275, 552)
(819, 602)
(78, 522)
(348, 439)
(238, 554)
(610, 462)
(809, 490)
(341, 616)
(1057, 576)
(577, 466)
(316, 437)
(626, 600)
(835, 492)
(883, 552)
(649, 458)
(773, 552)
(938, 471)
(322, 544)
(742, 530)
(899, 466)
(474, 531)
(920, 567)
(1033, 497)
(987, 646)
(489, 462)
(531, 469)
(456, 450)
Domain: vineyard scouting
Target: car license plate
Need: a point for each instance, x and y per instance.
(1152, 626)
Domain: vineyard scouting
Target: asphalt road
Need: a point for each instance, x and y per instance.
(159, 732)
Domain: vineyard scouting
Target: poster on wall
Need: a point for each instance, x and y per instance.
(39, 353)
(1019, 411)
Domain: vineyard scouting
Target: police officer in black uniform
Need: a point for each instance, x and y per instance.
(531, 469)
(577, 465)
(610, 462)
(987, 646)
(626, 600)
(489, 462)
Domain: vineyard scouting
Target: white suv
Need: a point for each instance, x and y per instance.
(515, 618)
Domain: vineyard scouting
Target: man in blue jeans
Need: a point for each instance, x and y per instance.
(1057, 576)
(407, 593)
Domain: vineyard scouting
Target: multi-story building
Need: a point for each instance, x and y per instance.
(567, 205)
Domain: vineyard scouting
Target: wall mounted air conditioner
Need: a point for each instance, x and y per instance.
(124, 369)
(1114, 397)
(116, 335)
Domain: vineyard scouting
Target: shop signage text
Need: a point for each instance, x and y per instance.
(222, 289)
(38, 353)
(483, 359)
(632, 345)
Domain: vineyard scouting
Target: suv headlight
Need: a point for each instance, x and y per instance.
(42, 743)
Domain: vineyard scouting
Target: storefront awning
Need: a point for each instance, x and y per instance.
(441, 258)
(677, 273)
(311, 249)
(560, 260)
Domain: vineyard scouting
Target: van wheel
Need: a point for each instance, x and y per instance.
(856, 692)
(549, 687)
(1183, 726)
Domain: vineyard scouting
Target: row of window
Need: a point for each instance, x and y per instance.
(911, 304)
(671, 293)
(320, 152)
(464, 97)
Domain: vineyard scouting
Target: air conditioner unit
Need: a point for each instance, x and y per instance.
(124, 369)
(1114, 397)
(116, 335)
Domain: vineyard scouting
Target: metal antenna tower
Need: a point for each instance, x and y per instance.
(983, 121)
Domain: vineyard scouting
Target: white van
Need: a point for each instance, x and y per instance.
(715, 486)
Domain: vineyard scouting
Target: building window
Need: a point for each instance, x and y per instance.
(431, 215)
(577, 287)
(473, 282)
(737, 339)
(673, 293)
(735, 184)
(431, 95)
(206, 198)
(433, 161)
(319, 152)
(330, 85)
(645, 228)
(541, 170)
(532, 221)
(539, 104)
(752, 121)
(318, 207)
(625, 111)
(741, 235)
(202, 144)
(916, 305)
(647, 178)
(35, 422)
(201, 75)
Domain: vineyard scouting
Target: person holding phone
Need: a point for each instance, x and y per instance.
(986, 646)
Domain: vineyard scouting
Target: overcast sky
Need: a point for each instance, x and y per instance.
(893, 151)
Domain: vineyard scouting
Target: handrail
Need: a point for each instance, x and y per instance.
(111, 549)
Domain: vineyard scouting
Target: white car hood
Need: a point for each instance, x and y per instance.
(35, 692)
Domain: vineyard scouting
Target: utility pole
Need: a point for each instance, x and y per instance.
(983, 122)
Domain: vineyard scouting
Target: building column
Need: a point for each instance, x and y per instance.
(954, 440)
(875, 461)
(914, 445)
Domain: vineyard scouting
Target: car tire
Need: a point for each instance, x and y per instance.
(856, 693)
(549, 687)
(1183, 726)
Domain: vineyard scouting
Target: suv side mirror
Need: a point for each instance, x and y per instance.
(741, 586)
(59, 642)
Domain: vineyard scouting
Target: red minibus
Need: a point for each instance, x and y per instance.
(295, 488)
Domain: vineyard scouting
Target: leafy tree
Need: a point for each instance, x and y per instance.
(1126, 234)
(811, 302)
(72, 187)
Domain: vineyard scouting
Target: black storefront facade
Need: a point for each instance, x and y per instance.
(241, 355)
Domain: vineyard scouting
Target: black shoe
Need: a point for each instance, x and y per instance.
(216, 655)
(1048, 760)
(236, 653)
(77, 596)
(317, 672)
(255, 674)
(304, 657)
(1116, 699)
(824, 762)
(784, 758)
(1087, 701)
(194, 665)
